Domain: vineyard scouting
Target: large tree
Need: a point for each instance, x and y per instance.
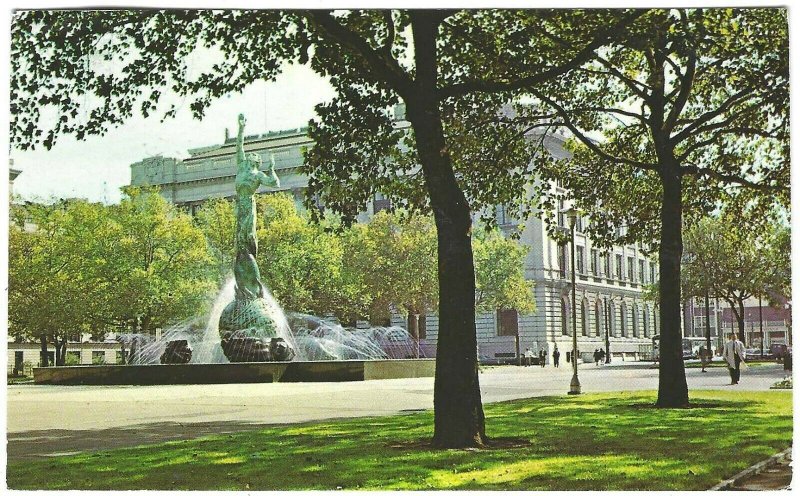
(54, 257)
(687, 109)
(158, 268)
(450, 68)
(302, 261)
(725, 259)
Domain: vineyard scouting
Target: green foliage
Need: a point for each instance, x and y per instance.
(161, 271)
(730, 260)
(301, 262)
(704, 90)
(53, 254)
(500, 273)
(217, 220)
(393, 259)
(84, 267)
(624, 445)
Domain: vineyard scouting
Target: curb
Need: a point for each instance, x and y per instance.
(755, 469)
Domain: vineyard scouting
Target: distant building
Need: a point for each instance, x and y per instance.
(777, 323)
(609, 282)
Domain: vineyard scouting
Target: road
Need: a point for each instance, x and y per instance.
(53, 420)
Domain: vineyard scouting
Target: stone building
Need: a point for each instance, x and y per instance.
(609, 283)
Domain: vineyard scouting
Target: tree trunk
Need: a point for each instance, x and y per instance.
(45, 362)
(672, 388)
(458, 411)
(740, 320)
(61, 351)
(708, 324)
(413, 330)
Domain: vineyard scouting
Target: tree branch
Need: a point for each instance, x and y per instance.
(383, 67)
(565, 116)
(581, 57)
(687, 82)
(730, 178)
(708, 116)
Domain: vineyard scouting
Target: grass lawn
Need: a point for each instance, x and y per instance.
(588, 442)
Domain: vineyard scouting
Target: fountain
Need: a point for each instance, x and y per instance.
(247, 337)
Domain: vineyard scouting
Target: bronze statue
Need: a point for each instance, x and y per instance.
(247, 329)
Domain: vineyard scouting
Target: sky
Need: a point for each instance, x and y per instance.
(98, 166)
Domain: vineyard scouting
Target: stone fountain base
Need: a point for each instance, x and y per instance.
(232, 373)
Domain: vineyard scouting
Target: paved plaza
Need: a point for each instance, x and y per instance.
(57, 420)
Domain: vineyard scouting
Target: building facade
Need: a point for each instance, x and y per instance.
(609, 283)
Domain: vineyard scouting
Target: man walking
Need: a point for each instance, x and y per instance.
(556, 356)
(528, 357)
(733, 354)
(542, 357)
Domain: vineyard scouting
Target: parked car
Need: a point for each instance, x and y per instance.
(753, 353)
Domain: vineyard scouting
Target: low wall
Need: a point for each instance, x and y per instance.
(230, 373)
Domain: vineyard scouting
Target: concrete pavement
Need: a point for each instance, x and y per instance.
(51, 420)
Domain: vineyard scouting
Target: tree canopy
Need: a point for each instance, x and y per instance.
(685, 111)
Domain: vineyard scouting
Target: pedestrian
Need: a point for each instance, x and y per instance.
(602, 356)
(556, 356)
(542, 357)
(733, 354)
(703, 358)
(528, 357)
(596, 357)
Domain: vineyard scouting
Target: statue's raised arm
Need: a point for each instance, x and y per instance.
(270, 178)
(240, 157)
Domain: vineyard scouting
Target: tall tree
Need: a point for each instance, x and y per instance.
(723, 258)
(217, 220)
(53, 260)
(160, 270)
(689, 106)
(448, 67)
(500, 274)
(301, 261)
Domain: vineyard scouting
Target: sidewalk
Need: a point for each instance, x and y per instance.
(775, 478)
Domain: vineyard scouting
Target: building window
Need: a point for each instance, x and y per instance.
(98, 357)
(631, 275)
(507, 322)
(502, 216)
(607, 262)
(619, 267)
(597, 318)
(580, 259)
(594, 263)
(635, 320)
(584, 318)
(562, 261)
(560, 213)
(641, 271)
(564, 317)
(122, 358)
(646, 321)
(652, 273)
(73, 358)
(579, 223)
(381, 204)
(622, 324)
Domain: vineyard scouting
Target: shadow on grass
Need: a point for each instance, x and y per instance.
(590, 442)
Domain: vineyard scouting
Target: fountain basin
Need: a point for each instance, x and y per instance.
(232, 373)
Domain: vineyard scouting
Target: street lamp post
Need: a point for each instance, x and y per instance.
(761, 326)
(574, 384)
(608, 325)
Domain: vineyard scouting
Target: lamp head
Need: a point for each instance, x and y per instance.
(572, 215)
